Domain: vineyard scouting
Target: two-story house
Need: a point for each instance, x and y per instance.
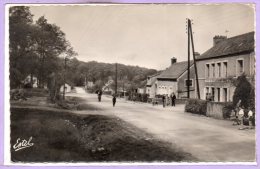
(173, 79)
(219, 66)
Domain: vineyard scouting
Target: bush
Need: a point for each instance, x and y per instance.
(35, 92)
(245, 92)
(196, 106)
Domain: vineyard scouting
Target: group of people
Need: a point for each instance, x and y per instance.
(166, 100)
(244, 117)
(169, 100)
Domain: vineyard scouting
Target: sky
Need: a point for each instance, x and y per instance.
(147, 35)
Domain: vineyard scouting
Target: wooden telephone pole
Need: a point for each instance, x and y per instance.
(188, 85)
(116, 81)
(190, 38)
(64, 83)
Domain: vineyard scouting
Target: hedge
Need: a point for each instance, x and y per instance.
(196, 106)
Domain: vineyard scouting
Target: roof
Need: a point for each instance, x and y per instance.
(154, 75)
(152, 81)
(175, 70)
(234, 45)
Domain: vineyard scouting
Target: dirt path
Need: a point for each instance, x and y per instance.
(208, 139)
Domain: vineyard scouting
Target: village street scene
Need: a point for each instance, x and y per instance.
(132, 83)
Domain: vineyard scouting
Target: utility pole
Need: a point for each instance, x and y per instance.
(190, 35)
(194, 59)
(116, 81)
(188, 85)
(64, 85)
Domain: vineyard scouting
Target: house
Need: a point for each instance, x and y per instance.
(151, 86)
(219, 66)
(173, 80)
(67, 88)
(141, 90)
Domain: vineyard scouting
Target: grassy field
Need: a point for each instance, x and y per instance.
(60, 136)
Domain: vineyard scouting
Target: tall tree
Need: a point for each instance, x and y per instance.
(20, 27)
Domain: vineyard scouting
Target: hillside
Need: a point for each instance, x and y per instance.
(99, 73)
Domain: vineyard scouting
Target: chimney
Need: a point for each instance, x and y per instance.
(197, 54)
(218, 38)
(173, 60)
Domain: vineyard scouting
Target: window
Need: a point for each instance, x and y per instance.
(188, 82)
(213, 69)
(213, 93)
(207, 93)
(225, 94)
(207, 89)
(207, 70)
(225, 69)
(218, 94)
(240, 67)
(219, 69)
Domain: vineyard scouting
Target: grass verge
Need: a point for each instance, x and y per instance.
(66, 137)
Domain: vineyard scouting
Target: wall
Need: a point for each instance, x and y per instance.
(67, 88)
(166, 87)
(215, 110)
(182, 89)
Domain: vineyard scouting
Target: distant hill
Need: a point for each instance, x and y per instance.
(99, 73)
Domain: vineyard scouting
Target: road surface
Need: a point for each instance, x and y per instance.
(208, 139)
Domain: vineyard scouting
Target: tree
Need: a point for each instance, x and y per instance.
(245, 92)
(51, 43)
(20, 28)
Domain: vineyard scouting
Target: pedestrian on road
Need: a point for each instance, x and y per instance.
(173, 98)
(167, 100)
(114, 100)
(163, 100)
(99, 95)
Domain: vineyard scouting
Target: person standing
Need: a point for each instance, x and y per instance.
(166, 100)
(173, 98)
(114, 100)
(99, 95)
(163, 100)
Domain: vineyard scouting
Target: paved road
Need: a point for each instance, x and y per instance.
(210, 140)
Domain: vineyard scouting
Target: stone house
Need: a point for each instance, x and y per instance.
(219, 66)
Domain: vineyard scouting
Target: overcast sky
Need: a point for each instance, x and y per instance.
(147, 35)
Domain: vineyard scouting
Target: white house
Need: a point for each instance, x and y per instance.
(67, 88)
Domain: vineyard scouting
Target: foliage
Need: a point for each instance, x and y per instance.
(245, 92)
(196, 106)
(35, 48)
(129, 77)
(138, 97)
